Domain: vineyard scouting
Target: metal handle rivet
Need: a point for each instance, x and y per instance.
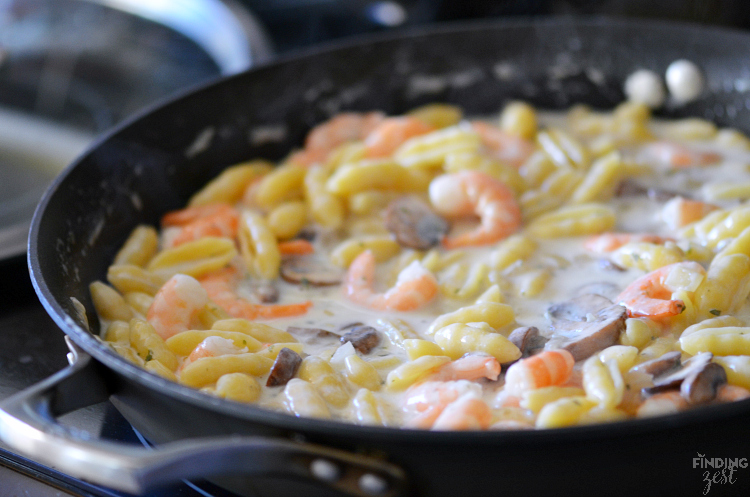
(325, 470)
(372, 484)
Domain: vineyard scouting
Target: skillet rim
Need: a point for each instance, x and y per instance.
(104, 355)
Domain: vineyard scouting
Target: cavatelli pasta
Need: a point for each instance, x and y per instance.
(433, 271)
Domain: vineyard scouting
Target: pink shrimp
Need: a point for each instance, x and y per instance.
(466, 413)
(296, 247)
(213, 347)
(414, 287)
(221, 221)
(680, 156)
(511, 424)
(425, 401)
(575, 379)
(505, 399)
(220, 288)
(649, 296)
(175, 305)
(249, 195)
(468, 367)
(323, 138)
(662, 403)
(730, 393)
(508, 148)
(672, 401)
(392, 132)
(680, 211)
(183, 217)
(474, 192)
(548, 368)
(609, 242)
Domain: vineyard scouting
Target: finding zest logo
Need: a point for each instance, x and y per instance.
(722, 469)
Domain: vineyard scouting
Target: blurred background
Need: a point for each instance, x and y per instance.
(70, 69)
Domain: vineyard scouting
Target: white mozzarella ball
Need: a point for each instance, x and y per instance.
(644, 86)
(684, 80)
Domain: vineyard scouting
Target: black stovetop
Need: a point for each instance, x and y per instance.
(32, 348)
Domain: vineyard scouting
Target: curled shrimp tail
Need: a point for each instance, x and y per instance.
(469, 367)
(425, 419)
(680, 156)
(220, 289)
(497, 226)
(649, 296)
(392, 132)
(361, 275)
(183, 217)
(506, 147)
(476, 193)
(212, 347)
(655, 304)
(466, 413)
(415, 286)
(609, 242)
(551, 367)
(344, 127)
(175, 304)
(251, 311)
(425, 401)
(222, 223)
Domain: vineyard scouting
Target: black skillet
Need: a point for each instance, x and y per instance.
(154, 162)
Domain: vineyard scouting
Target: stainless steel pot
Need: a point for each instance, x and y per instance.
(72, 68)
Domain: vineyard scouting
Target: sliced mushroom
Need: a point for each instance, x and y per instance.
(265, 292)
(307, 233)
(629, 188)
(608, 265)
(350, 325)
(414, 223)
(363, 338)
(527, 339)
(674, 380)
(311, 332)
(570, 313)
(661, 195)
(284, 367)
(698, 380)
(586, 324)
(306, 271)
(603, 331)
(701, 386)
(521, 336)
(661, 365)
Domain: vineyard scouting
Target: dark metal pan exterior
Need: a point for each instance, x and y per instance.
(154, 162)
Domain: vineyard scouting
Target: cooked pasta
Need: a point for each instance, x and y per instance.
(430, 271)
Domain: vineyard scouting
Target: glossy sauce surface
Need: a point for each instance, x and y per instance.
(652, 172)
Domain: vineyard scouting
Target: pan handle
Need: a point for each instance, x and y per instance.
(28, 426)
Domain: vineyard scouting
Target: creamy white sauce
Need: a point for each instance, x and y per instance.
(579, 270)
(573, 269)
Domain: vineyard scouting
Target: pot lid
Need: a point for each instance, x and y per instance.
(69, 69)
